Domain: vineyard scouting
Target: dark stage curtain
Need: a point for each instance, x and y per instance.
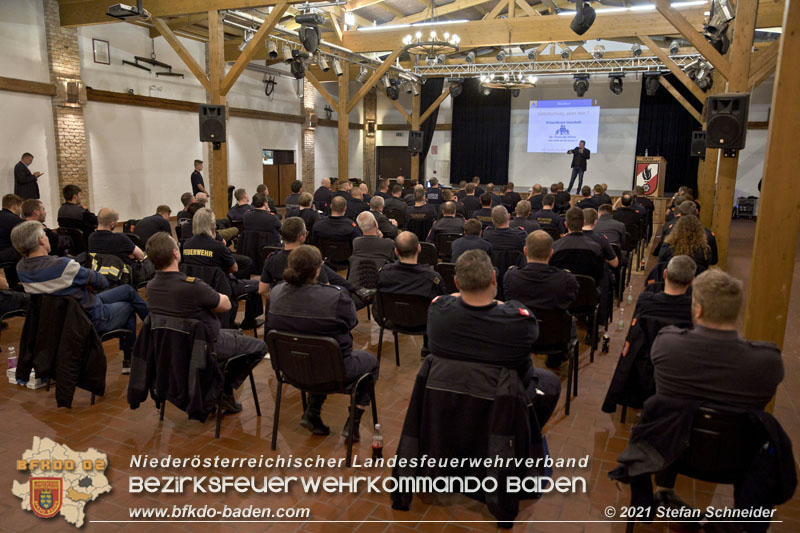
(665, 129)
(429, 93)
(480, 136)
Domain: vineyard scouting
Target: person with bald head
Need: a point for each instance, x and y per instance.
(501, 235)
(371, 245)
(336, 227)
(105, 240)
(388, 227)
(449, 223)
(406, 276)
(322, 196)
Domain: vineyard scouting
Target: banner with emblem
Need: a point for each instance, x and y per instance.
(46, 496)
(650, 175)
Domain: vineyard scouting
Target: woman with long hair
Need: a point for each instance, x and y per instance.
(302, 305)
(688, 237)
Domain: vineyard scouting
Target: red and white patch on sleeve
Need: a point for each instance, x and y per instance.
(523, 311)
(436, 299)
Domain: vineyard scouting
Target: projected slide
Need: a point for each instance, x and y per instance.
(555, 126)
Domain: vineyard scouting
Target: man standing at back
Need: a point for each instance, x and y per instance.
(26, 182)
(197, 178)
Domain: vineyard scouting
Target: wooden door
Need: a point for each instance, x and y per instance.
(393, 161)
(272, 180)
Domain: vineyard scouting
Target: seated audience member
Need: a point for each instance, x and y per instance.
(396, 200)
(303, 305)
(449, 223)
(641, 198)
(293, 200)
(462, 190)
(261, 219)
(470, 201)
(688, 193)
(186, 199)
(270, 202)
(600, 196)
(336, 227)
(173, 293)
(306, 211)
(612, 229)
(675, 301)
(711, 362)
(511, 198)
(470, 241)
(588, 200)
(365, 195)
(356, 204)
(563, 198)
(33, 209)
(9, 219)
(637, 205)
(388, 227)
(496, 198)
(522, 219)
(433, 194)
(242, 207)
(589, 225)
(201, 198)
(149, 226)
(12, 300)
(203, 249)
(489, 331)
(448, 196)
(547, 217)
(371, 246)
(501, 236)
(322, 196)
(536, 197)
(406, 276)
(688, 207)
(420, 211)
(383, 189)
(476, 181)
(185, 228)
(625, 213)
(409, 194)
(106, 241)
(687, 238)
(484, 214)
(563, 250)
(343, 188)
(671, 211)
(40, 273)
(72, 214)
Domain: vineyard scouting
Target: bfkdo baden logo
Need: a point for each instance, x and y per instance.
(62, 481)
(46, 496)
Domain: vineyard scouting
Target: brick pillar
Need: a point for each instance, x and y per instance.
(370, 114)
(309, 134)
(70, 126)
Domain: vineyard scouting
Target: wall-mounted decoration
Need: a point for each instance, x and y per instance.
(101, 51)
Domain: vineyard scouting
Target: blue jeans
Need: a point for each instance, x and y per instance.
(121, 305)
(576, 172)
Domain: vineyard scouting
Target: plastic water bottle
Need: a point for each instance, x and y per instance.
(377, 442)
(629, 299)
(621, 322)
(645, 152)
(12, 357)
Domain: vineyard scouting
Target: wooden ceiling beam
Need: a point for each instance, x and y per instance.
(496, 10)
(187, 58)
(681, 100)
(179, 23)
(674, 68)
(436, 103)
(446, 9)
(379, 72)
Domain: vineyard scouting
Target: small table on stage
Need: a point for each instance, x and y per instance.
(650, 173)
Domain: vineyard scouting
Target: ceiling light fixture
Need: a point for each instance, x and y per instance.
(584, 17)
(580, 83)
(615, 82)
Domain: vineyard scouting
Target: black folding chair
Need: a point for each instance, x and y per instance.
(420, 227)
(444, 243)
(136, 240)
(401, 313)
(365, 276)
(76, 236)
(128, 225)
(397, 215)
(428, 254)
(314, 365)
(619, 272)
(336, 253)
(555, 338)
(587, 304)
(553, 232)
(448, 273)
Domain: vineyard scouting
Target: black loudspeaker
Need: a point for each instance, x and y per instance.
(698, 144)
(212, 123)
(415, 141)
(726, 120)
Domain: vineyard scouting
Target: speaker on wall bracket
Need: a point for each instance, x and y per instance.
(726, 121)
(212, 124)
(698, 148)
(415, 141)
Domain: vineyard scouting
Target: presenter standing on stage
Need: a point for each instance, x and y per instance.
(580, 155)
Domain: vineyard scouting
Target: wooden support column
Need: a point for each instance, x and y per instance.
(778, 225)
(219, 156)
(416, 103)
(344, 121)
(739, 54)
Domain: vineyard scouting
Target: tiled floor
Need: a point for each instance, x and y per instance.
(111, 427)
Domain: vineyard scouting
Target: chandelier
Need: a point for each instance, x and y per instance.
(433, 47)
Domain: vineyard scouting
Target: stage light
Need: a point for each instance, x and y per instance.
(272, 49)
(248, 36)
(674, 47)
(565, 52)
(470, 57)
(580, 83)
(636, 49)
(501, 55)
(486, 91)
(309, 30)
(651, 84)
(297, 66)
(584, 17)
(386, 82)
(363, 75)
(392, 91)
(430, 60)
(323, 63)
(615, 82)
(337, 67)
(514, 92)
(531, 54)
(440, 59)
(414, 88)
(532, 79)
(287, 53)
(598, 51)
(455, 88)
(408, 86)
